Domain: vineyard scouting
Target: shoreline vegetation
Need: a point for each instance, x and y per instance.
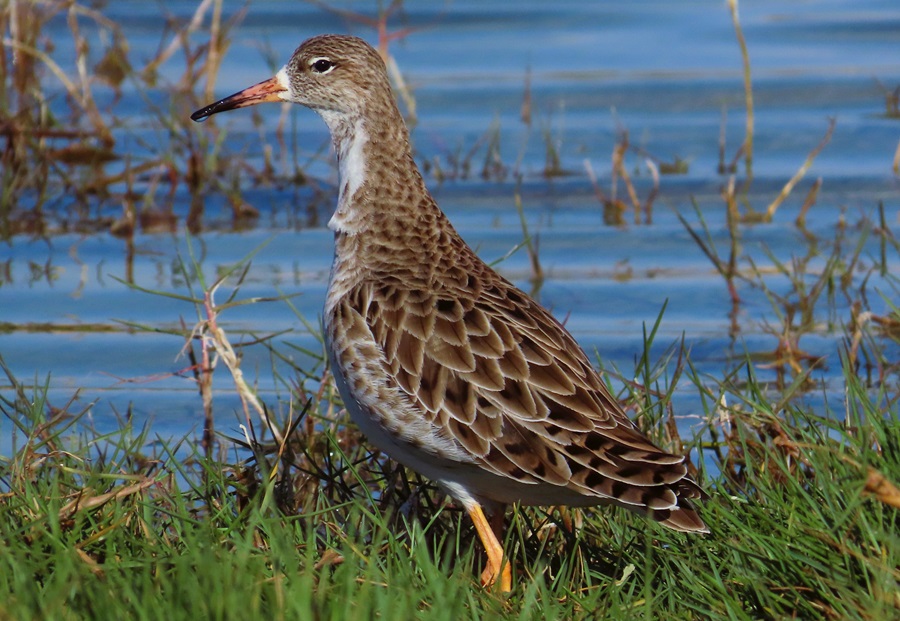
(298, 517)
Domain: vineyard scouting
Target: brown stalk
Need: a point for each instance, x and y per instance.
(801, 172)
(619, 166)
(85, 501)
(617, 155)
(612, 209)
(733, 250)
(748, 88)
(879, 486)
(809, 202)
(218, 342)
(525, 111)
(177, 38)
(28, 50)
(214, 54)
(86, 98)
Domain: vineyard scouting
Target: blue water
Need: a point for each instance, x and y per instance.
(667, 72)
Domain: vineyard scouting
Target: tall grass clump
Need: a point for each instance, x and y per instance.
(803, 517)
(297, 517)
(68, 159)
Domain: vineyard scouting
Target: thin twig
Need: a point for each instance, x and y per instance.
(748, 88)
(809, 202)
(214, 55)
(786, 190)
(219, 341)
(177, 38)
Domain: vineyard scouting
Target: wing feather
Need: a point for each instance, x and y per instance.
(500, 376)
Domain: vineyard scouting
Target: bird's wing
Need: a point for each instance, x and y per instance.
(505, 380)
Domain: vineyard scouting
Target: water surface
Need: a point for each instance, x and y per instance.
(667, 72)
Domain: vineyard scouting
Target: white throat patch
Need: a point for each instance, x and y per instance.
(351, 170)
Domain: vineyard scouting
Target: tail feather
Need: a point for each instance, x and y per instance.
(684, 517)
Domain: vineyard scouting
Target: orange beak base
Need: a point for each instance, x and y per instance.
(269, 90)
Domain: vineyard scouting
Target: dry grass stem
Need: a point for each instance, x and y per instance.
(215, 52)
(879, 486)
(748, 88)
(801, 172)
(86, 501)
(178, 38)
(613, 207)
(808, 202)
(215, 336)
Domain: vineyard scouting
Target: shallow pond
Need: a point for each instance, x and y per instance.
(669, 73)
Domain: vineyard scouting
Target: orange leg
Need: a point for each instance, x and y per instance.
(497, 565)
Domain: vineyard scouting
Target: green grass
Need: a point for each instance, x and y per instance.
(92, 526)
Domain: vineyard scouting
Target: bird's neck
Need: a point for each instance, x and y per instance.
(379, 180)
(385, 220)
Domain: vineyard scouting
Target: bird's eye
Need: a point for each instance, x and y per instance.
(321, 65)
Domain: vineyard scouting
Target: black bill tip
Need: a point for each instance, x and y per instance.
(270, 90)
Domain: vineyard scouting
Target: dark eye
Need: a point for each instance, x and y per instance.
(322, 65)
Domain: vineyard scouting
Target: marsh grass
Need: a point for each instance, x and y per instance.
(803, 517)
(297, 517)
(614, 207)
(69, 161)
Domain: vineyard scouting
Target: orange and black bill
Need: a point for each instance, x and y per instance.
(269, 90)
